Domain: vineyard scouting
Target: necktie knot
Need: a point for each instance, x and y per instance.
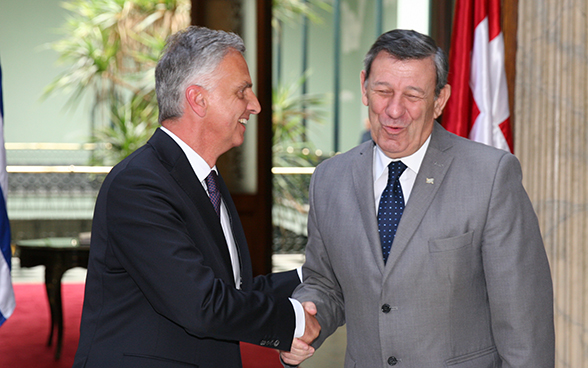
(395, 169)
(213, 191)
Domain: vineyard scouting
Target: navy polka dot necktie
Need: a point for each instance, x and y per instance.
(391, 207)
(213, 191)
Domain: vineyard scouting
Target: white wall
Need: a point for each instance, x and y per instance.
(26, 26)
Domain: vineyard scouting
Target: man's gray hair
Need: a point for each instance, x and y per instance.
(409, 45)
(190, 57)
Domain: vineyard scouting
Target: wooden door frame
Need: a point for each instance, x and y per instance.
(255, 209)
(510, 13)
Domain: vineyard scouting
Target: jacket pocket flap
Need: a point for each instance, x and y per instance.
(455, 242)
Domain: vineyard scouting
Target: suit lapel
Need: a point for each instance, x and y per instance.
(428, 181)
(362, 173)
(180, 169)
(238, 236)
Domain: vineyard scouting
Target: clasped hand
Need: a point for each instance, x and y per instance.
(301, 349)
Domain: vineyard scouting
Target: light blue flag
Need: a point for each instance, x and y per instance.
(7, 303)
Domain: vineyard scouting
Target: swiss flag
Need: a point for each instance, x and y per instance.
(478, 106)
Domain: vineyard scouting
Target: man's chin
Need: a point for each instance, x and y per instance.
(393, 148)
(239, 141)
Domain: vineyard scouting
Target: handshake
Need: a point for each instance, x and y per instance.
(301, 349)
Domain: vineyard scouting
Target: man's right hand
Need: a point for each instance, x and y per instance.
(301, 349)
(312, 329)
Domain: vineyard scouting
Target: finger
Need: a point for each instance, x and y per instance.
(301, 349)
(296, 356)
(290, 360)
(310, 308)
(293, 361)
(300, 346)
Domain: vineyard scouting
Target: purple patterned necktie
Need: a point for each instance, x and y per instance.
(213, 192)
(391, 207)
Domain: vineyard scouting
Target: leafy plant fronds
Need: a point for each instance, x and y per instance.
(110, 48)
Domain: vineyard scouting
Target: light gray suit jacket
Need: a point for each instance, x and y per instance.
(467, 283)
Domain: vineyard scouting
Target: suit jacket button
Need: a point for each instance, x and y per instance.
(392, 360)
(386, 308)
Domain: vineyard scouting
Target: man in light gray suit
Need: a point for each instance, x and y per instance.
(466, 281)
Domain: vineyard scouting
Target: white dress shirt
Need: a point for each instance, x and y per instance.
(408, 177)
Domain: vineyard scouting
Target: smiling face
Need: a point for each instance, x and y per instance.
(230, 102)
(400, 96)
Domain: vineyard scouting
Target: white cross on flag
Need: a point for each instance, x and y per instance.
(478, 106)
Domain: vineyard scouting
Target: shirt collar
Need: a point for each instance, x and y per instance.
(199, 165)
(413, 162)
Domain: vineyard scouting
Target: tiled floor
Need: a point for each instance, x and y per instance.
(330, 355)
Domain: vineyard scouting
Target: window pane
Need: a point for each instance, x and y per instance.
(318, 56)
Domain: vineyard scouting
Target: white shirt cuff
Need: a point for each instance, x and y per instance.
(300, 319)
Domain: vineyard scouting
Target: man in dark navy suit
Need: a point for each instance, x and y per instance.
(169, 280)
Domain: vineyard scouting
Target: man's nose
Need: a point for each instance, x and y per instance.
(395, 108)
(253, 105)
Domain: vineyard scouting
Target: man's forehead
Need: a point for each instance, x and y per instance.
(233, 68)
(407, 87)
(387, 68)
(385, 60)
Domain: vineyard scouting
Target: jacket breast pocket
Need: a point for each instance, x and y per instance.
(455, 242)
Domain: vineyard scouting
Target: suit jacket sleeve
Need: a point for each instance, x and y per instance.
(320, 282)
(517, 274)
(279, 284)
(162, 243)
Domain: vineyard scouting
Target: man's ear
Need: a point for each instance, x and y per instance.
(197, 99)
(441, 100)
(362, 81)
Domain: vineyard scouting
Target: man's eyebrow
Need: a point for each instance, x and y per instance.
(243, 86)
(381, 83)
(416, 89)
(246, 84)
(411, 88)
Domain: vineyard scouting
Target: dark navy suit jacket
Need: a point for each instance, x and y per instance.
(160, 290)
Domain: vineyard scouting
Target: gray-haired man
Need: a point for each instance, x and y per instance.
(424, 243)
(169, 280)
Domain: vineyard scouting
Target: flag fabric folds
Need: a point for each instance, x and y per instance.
(478, 106)
(7, 303)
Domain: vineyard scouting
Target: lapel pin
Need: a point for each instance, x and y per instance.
(430, 181)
